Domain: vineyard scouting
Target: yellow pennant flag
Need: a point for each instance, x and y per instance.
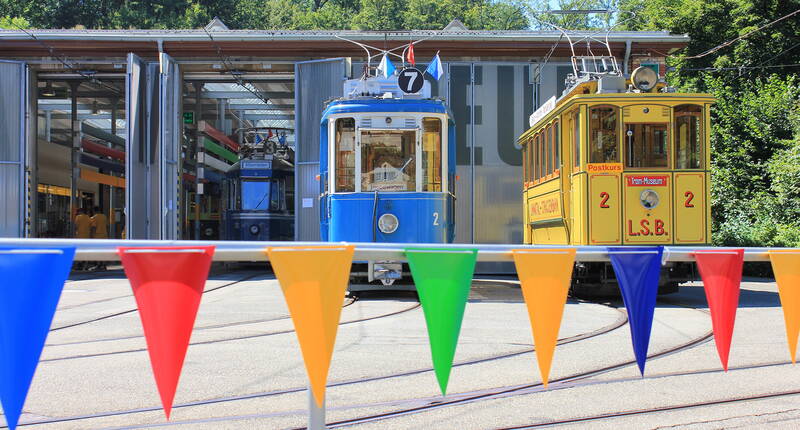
(314, 280)
(786, 266)
(545, 276)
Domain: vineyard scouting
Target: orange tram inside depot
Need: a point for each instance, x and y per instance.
(610, 165)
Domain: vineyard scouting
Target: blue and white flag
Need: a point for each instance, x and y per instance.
(435, 69)
(386, 68)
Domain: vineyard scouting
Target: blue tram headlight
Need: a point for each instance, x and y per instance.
(388, 223)
(254, 229)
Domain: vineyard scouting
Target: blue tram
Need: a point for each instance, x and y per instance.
(257, 196)
(387, 166)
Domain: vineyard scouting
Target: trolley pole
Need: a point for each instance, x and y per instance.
(316, 415)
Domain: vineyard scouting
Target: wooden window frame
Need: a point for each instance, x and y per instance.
(617, 129)
(575, 131)
(701, 134)
(556, 148)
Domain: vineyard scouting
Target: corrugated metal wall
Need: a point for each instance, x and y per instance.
(315, 83)
(12, 140)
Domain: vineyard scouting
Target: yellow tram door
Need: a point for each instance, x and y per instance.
(648, 208)
(604, 203)
(690, 137)
(690, 207)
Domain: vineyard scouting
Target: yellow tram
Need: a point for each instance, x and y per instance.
(618, 161)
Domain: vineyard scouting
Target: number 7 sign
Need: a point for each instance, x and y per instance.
(410, 80)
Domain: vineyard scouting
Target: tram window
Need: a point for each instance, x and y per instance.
(576, 137)
(529, 158)
(537, 158)
(387, 160)
(688, 137)
(345, 155)
(646, 145)
(432, 154)
(255, 195)
(525, 164)
(603, 135)
(556, 149)
(276, 200)
(549, 154)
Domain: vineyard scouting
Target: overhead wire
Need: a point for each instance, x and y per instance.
(236, 76)
(226, 63)
(730, 42)
(65, 63)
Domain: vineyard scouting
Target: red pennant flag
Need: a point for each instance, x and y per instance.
(721, 271)
(410, 55)
(167, 283)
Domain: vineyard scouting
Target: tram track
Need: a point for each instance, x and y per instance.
(621, 321)
(499, 392)
(128, 311)
(646, 411)
(226, 339)
(420, 405)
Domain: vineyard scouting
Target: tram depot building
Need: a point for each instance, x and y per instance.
(113, 118)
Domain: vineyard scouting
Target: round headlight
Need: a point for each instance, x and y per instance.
(254, 229)
(649, 199)
(388, 223)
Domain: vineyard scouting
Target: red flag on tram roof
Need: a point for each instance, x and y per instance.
(410, 55)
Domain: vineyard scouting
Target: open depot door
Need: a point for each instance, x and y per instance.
(315, 82)
(152, 172)
(13, 194)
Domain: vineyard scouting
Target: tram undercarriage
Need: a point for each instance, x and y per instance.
(597, 279)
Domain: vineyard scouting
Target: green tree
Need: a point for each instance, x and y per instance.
(7, 22)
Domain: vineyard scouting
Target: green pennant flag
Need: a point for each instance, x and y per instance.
(442, 278)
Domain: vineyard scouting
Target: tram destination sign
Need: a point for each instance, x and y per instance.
(410, 80)
(543, 110)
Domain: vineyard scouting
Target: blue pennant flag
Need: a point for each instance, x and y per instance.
(31, 281)
(435, 69)
(637, 270)
(386, 68)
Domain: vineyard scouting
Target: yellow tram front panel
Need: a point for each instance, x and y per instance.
(690, 208)
(605, 210)
(648, 208)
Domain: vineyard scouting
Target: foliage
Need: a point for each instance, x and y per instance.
(269, 14)
(540, 12)
(13, 23)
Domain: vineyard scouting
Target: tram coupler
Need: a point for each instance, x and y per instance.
(384, 271)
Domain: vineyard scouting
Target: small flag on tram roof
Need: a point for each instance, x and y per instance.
(410, 55)
(435, 68)
(386, 68)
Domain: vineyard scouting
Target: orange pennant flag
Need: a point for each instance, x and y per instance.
(314, 280)
(545, 275)
(786, 266)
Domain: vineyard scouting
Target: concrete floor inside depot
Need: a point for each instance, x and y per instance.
(244, 368)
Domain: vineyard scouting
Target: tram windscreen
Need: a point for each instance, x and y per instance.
(387, 160)
(646, 145)
(255, 195)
